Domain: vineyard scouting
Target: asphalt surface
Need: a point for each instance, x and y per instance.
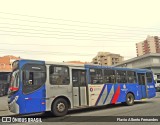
(3, 103)
(148, 107)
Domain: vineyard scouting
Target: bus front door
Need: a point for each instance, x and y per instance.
(33, 78)
(79, 87)
(142, 84)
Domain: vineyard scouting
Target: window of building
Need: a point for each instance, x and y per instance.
(59, 75)
(121, 76)
(149, 77)
(96, 76)
(109, 76)
(131, 77)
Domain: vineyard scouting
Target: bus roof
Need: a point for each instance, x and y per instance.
(64, 63)
(117, 68)
(90, 65)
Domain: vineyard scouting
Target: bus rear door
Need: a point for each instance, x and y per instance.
(79, 87)
(142, 84)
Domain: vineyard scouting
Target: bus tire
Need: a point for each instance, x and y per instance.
(129, 99)
(59, 107)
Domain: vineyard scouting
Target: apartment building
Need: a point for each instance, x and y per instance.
(107, 58)
(150, 45)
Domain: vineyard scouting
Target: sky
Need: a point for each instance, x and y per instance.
(67, 30)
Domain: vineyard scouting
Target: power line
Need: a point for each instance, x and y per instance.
(48, 52)
(109, 39)
(45, 52)
(74, 21)
(20, 51)
(90, 37)
(115, 34)
(58, 45)
(70, 29)
(64, 24)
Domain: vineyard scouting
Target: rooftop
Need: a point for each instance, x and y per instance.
(139, 57)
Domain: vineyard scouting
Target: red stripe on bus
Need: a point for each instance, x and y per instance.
(116, 95)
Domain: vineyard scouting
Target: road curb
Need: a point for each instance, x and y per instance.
(144, 99)
(20, 115)
(4, 110)
(10, 115)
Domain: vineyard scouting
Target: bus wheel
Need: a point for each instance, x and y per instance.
(59, 107)
(129, 99)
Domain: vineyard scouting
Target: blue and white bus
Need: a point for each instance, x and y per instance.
(39, 86)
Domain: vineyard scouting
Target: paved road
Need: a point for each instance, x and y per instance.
(149, 107)
(4, 111)
(3, 103)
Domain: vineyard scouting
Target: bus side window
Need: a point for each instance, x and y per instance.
(109, 76)
(75, 79)
(149, 77)
(33, 78)
(27, 78)
(141, 78)
(131, 75)
(59, 75)
(78, 78)
(96, 76)
(121, 76)
(83, 78)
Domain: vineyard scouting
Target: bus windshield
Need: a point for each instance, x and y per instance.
(14, 82)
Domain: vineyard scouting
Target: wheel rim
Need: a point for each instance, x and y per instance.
(130, 100)
(61, 107)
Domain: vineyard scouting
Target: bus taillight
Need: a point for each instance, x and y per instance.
(13, 88)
